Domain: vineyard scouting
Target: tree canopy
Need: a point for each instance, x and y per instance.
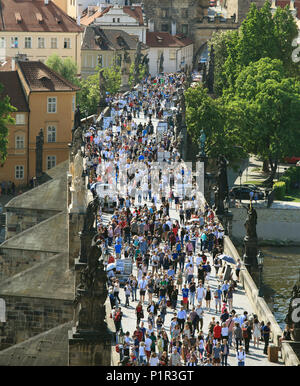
(5, 120)
(67, 68)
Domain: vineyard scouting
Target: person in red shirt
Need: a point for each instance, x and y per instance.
(138, 333)
(217, 331)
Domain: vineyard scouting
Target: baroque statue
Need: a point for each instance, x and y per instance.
(250, 223)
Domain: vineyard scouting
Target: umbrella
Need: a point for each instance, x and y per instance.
(229, 259)
(110, 266)
(195, 219)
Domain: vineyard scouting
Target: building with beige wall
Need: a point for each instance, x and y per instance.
(38, 29)
(105, 47)
(50, 102)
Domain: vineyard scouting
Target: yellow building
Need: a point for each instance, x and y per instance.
(68, 6)
(38, 28)
(105, 47)
(50, 101)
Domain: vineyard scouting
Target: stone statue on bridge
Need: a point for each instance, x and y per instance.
(250, 223)
(292, 318)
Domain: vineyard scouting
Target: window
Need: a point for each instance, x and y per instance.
(172, 53)
(41, 42)
(73, 103)
(184, 12)
(2, 311)
(51, 161)
(114, 20)
(164, 13)
(118, 20)
(20, 142)
(20, 119)
(165, 27)
(19, 172)
(2, 42)
(51, 134)
(54, 43)
(51, 105)
(185, 29)
(14, 42)
(67, 43)
(28, 42)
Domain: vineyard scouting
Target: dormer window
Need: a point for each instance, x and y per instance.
(39, 17)
(18, 17)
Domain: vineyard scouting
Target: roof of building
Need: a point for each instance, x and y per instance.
(133, 11)
(284, 3)
(95, 38)
(39, 77)
(165, 39)
(13, 88)
(35, 16)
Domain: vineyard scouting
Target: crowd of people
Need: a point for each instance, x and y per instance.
(174, 242)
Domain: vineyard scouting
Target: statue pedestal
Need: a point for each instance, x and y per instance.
(250, 253)
(90, 348)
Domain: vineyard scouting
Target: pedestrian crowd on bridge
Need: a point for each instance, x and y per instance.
(174, 259)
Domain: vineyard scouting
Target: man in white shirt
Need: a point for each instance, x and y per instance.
(200, 293)
(142, 286)
(148, 343)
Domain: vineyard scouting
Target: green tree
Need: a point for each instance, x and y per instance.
(64, 67)
(271, 105)
(220, 42)
(5, 120)
(219, 122)
(89, 95)
(260, 35)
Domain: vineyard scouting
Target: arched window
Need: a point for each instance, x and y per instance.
(2, 311)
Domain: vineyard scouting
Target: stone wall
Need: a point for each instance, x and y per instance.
(260, 307)
(20, 219)
(13, 261)
(27, 317)
(273, 225)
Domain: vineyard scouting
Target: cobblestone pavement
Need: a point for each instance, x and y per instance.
(255, 357)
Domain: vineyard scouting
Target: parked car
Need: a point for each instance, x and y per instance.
(243, 192)
(298, 163)
(291, 160)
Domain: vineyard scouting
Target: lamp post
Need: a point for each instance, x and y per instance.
(260, 263)
(240, 175)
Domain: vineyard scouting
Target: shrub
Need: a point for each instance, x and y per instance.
(279, 190)
(288, 182)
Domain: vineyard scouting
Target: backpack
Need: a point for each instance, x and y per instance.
(245, 332)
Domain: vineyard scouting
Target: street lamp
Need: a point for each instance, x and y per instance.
(240, 175)
(260, 263)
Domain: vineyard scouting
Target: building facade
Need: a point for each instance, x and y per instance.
(104, 47)
(50, 101)
(129, 19)
(177, 52)
(38, 28)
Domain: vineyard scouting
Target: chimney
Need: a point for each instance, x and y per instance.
(13, 64)
(46, 2)
(173, 28)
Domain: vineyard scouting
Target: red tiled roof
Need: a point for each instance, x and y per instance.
(135, 12)
(87, 20)
(165, 39)
(13, 88)
(284, 3)
(39, 77)
(35, 16)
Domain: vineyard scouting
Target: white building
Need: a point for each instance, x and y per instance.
(129, 19)
(177, 51)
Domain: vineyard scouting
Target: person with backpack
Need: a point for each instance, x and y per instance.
(247, 335)
(117, 319)
(217, 296)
